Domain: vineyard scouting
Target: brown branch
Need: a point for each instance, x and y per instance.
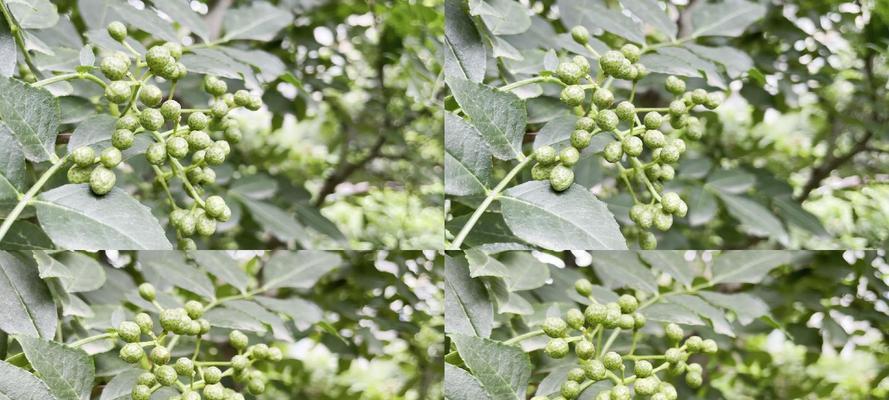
(346, 169)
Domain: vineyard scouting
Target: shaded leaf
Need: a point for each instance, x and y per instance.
(27, 305)
(502, 370)
(468, 310)
(67, 372)
(500, 117)
(299, 269)
(32, 116)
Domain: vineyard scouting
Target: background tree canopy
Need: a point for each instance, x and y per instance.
(793, 158)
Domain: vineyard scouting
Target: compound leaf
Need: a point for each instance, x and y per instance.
(34, 14)
(68, 372)
(27, 304)
(75, 218)
(502, 370)
(32, 116)
(570, 220)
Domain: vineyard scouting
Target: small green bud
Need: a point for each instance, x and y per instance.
(585, 349)
(673, 355)
(628, 304)
(111, 157)
(662, 220)
(540, 172)
(546, 155)
(117, 31)
(585, 124)
(654, 138)
(603, 98)
(557, 348)
(583, 287)
(151, 119)
(83, 156)
(141, 392)
(555, 327)
(156, 153)
(129, 331)
(194, 309)
(255, 386)
(114, 68)
(694, 344)
(595, 314)
(607, 120)
(626, 321)
(572, 95)
(238, 340)
(709, 346)
(646, 386)
(713, 101)
(129, 121)
(214, 85)
(102, 180)
(612, 361)
(118, 92)
(574, 318)
(570, 389)
(674, 85)
(699, 96)
(613, 152)
(594, 370)
(160, 355)
(561, 178)
(631, 52)
(670, 202)
(171, 110)
(242, 98)
(632, 146)
(580, 34)
(694, 380)
(647, 241)
(177, 147)
(122, 139)
(653, 120)
(131, 353)
(625, 111)
(198, 121)
(569, 156)
(199, 140)
(77, 174)
(184, 366)
(145, 323)
(151, 96)
(212, 375)
(567, 72)
(147, 379)
(166, 375)
(206, 226)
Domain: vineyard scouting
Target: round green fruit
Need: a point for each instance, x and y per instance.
(102, 180)
(561, 178)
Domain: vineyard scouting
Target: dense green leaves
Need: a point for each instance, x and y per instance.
(113, 221)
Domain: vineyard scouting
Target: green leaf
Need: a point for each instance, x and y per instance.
(27, 305)
(24, 235)
(502, 370)
(704, 309)
(180, 12)
(755, 218)
(749, 266)
(490, 229)
(233, 319)
(32, 115)
(121, 386)
(672, 262)
(13, 174)
(650, 12)
(526, 272)
(596, 14)
(728, 18)
(275, 220)
(8, 52)
(467, 159)
(18, 384)
(312, 218)
(557, 133)
(74, 218)
(279, 331)
(680, 61)
(573, 219)
(67, 372)
(500, 117)
(222, 266)
(76, 272)
(702, 206)
(468, 310)
(215, 62)
(481, 264)
(736, 62)
(465, 55)
(502, 17)
(172, 268)
(34, 14)
(303, 313)
(796, 215)
(666, 312)
(97, 14)
(732, 181)
(147, 21)
(745, 306)
(618, 269)
(258, 21)
(508, 302)
(461, 385)
(299, 269)
(270, 66)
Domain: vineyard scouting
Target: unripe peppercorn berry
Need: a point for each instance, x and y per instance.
(160, 355)
(151, 95)
(569, 156)
(170, 110)
(118, 92)
(709, 346)
(238, 340)
(607, 120)
(594, 370)
(613, 152)
(580, 34)
(595, 314)
(77, 174)
(214, 392)
(102, 180)
(641, 215)
(144, 322)
(117, 31)
(122, 139)
(585, 349)
(646, 386)
(240, 362)
(662, 220)
(212, 375)
(574, 318)
(632, 146)
(255, 386)
(572, 95)
(694, 344)
(114, 68)
(669, 153)
(184, 366)
(625, 111)
(214, 85)
(129, 121)
(583, 287)
(205, 225)
(673, 355)
(131, 353)
(570, 389)
(177, 147)
(166, 375)
(147, 379)
(654, 138)
(199, 140)
(670, 201)
(554, 327)
(612, 361)
(110, 157)
(83, 156)
(653, 120)
(540, 172)
(141, 392)
(585, 123)
(694, 380)
(647, 241)
(611, 62)
(580, 139)
(147, 291)
(129, 331)
(151, 119)
(567, 72)
(603, 98)
(699, 96)
(627, 303)
(198, 121)
(214, 206)
(561, 178)
(674, 85)
(631, 52)
(242, 98)
(156, 153)
(626, 321)
(557, 348)
(546, 155)
(194, 309)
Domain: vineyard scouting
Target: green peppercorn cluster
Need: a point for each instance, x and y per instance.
(150, 346)
(187, 143)
(585, 330)
(643, 150)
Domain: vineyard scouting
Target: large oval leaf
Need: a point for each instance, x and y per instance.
(68, 372)
(570, 220)
(300, 269)
(468, 310)
(75, 218)
(467, 159)
(464, 50)
(258, 21)
(18, 384)
(32, 115)
(27, 305)
(728, 18)
(502, 370)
